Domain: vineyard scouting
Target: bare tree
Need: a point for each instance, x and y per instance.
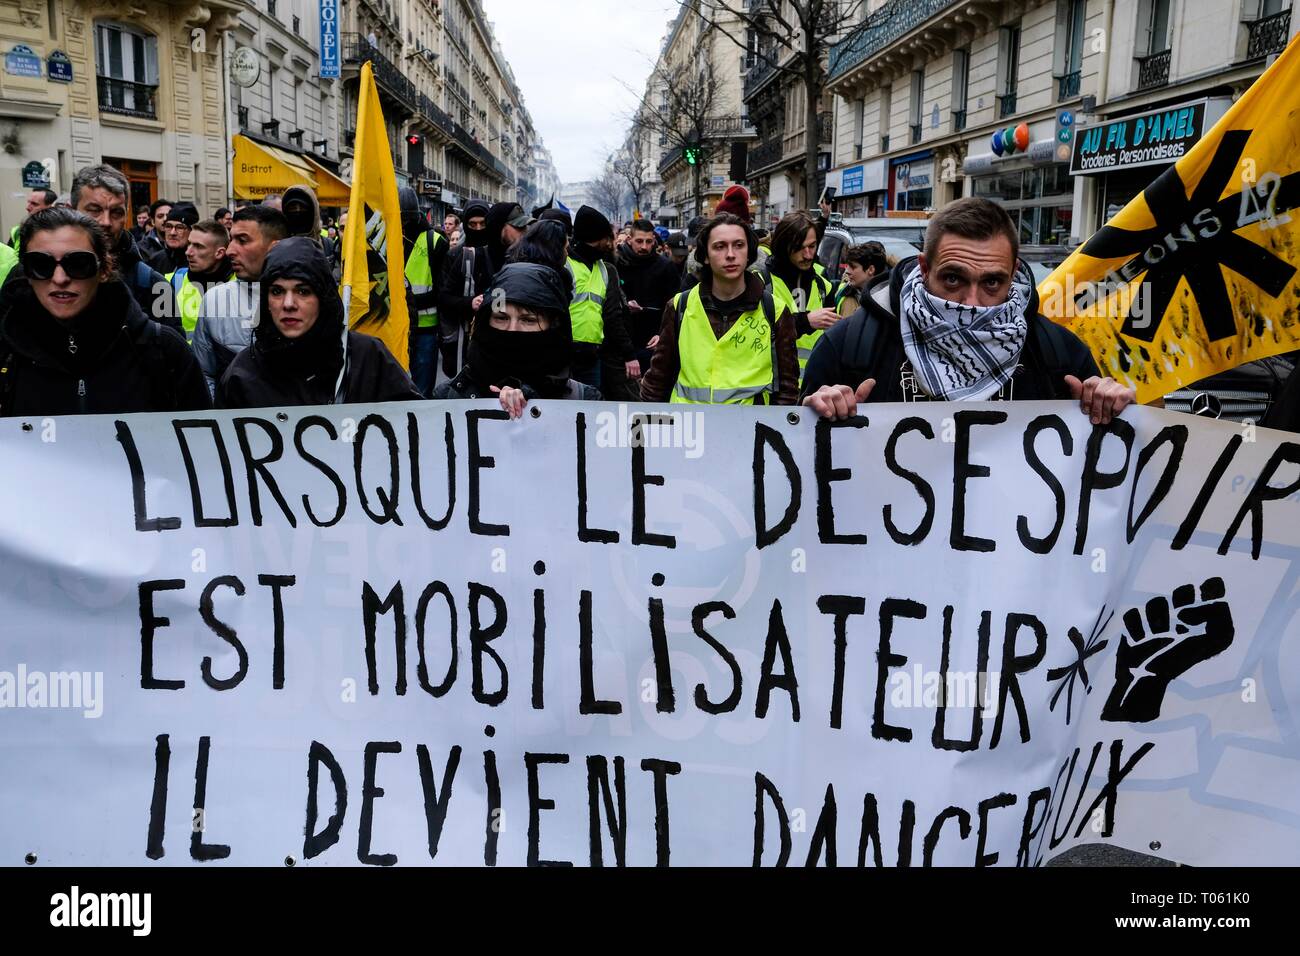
(680, 117)
(805, 28)
(608, 192)
(631, 169)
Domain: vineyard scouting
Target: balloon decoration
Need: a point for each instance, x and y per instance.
(1022, 137)
(1009, 139)
(997, 142)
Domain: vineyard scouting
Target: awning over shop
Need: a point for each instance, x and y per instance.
(330, 190)
(259, 170)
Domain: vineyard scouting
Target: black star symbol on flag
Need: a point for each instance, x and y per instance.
(1197, 261)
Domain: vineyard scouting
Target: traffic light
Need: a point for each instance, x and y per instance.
(414, 139)
(693, 155)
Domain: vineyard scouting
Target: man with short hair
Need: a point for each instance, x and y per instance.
(649, 281)
(228, 315)
(101, 193)
(225, 217)
(206, 265)
(38, 199)
(727, 341)
(141, 227)
(958, 323)
(451, 228)
(153, 243)
(176, 238)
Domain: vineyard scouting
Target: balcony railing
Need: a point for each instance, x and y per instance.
(892, 21)
(958, 120)
(432, 112)
(669, 158)
(1153, 70)
(1268, 35)
(357, 50)
(457, 37)
(1006, 104)
(766, 154)
(727, 126)
(763, 69)
(1067, 86)
(127, 98)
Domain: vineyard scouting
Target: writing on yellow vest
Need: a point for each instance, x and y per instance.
(587, 310)
(419, 273)
(821, 288)
(737, 369)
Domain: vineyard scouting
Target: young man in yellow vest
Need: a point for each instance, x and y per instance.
(792, 275)
(602, 347)
(727, 341)
(206, 265)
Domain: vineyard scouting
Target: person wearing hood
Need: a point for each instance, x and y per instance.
(73, 340)
(649, 281)
(600, 338)
(561, 216)
(520, 342)
(100, 192)
(180, 218)
(489, 231)
(792, 276)
(958, 323)
(425, 252)
(301, 210)
(206, 265)
(301, 353)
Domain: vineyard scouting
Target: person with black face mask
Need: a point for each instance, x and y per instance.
(301, 211)
(649, 281)
(602, 352)
(299, 355)
(520, 342)
(466, 274)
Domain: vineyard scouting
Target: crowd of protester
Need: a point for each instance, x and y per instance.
(177, 312)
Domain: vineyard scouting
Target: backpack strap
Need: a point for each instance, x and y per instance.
(468, 260)
(143, 275)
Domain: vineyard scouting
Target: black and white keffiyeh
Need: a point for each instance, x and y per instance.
(963, 352)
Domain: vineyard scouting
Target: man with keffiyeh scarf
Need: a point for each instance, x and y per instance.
(958, 323)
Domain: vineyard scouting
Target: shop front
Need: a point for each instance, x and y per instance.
(1123, 156)
(1031, 183)
(911, 182)
(859, 189)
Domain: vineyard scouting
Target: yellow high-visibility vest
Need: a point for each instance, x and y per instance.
(821, 288)
(419, 273)
(587, 310)
(734, 370)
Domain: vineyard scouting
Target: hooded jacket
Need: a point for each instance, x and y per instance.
(868, 344)
(617, 346)
(306, 230)
(537, 363)
(111, 359)
(276, 371)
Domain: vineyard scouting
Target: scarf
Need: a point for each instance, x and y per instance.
(963, 352)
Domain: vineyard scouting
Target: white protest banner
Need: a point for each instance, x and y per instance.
(935, 634)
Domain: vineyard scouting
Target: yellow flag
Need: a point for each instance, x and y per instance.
(1198, 273)
(374, 285)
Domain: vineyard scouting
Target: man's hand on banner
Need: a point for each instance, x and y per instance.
(839, 401)
(1101, 399)
(1156, 648)
(512, 400)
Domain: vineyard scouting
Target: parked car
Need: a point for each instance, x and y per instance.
(1240, 394)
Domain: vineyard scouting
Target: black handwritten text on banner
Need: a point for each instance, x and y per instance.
(950, 635)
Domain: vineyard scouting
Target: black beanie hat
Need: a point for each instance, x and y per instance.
(184, 212)
(590, 226)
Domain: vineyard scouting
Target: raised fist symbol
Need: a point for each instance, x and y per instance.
(1155, 649)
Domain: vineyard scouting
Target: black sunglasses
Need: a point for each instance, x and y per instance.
(77, 265)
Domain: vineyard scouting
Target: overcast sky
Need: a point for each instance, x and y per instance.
(568, 58)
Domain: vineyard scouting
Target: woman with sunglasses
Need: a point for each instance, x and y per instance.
(73, 340)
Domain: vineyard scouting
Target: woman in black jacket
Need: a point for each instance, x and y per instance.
(73, 339)
(520, 342)
(300, 354)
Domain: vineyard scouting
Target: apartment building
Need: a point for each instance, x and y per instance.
(928, 92)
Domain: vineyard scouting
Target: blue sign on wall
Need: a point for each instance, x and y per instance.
(21, 60)
(329, 39)
(59, 67)
(853, 181)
